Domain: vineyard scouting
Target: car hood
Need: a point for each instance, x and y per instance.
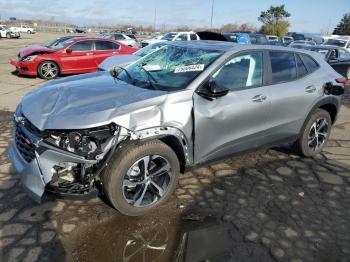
(87, 101)
(120, 60)
(34, 49)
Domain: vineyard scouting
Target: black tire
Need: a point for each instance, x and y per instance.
(115, 176)
(44, 65)
(308, 146)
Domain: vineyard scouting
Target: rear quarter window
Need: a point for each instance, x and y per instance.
(283, 66)
(310, 63)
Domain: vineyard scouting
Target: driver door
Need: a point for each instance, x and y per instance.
(237, 121)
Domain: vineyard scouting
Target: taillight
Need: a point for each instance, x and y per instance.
(341, 80)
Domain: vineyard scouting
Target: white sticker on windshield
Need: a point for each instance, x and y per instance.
(189, 68)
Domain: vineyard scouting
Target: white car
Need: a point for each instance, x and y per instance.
(341, 41)
(5, 31)
(23, 29)
(272, 38)
(122, 38)
(172, 36)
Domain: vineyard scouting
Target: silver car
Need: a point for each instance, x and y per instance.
(130, 133)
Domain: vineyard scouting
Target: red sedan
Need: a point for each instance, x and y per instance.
(73, 56)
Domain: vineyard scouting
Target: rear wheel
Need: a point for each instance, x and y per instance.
(315, 133)
(141, 177)
(48, 70)
(8, 36)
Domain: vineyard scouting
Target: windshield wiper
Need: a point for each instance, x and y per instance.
(151, 80)
(118, 69)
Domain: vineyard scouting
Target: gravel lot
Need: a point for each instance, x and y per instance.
(268, 205)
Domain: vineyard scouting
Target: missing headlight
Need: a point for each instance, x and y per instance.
(88, 142)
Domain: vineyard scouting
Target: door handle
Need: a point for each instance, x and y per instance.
(310, 89)
(259, 98)
(89, 53)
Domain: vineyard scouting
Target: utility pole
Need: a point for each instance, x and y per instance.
(155, 18)
(212, 14)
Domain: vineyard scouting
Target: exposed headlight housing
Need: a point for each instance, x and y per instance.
(89, 143)
(30, 58)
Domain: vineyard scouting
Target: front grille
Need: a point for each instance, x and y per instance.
(24, 145)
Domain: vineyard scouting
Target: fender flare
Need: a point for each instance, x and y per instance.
(162, 132)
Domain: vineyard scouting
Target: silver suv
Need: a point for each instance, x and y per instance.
(131, 132)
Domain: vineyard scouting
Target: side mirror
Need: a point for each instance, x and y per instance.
(212, 90)
(69, 50)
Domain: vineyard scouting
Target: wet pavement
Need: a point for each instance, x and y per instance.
(264, 206)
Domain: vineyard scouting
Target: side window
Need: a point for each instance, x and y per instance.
(82, 46)
(105, 45)
(301, 69)
(193, 37)
(310, 63)
(283, 66)
(240, 72)
(182, 37)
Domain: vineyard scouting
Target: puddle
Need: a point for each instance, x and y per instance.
(164, 236)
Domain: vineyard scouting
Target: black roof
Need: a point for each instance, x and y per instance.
(205, 44)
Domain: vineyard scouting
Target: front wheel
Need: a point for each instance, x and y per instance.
(8, 36)
(315, 134)
(141, 177)
(48, 70)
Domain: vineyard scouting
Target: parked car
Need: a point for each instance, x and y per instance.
(272, 39)
(122, 38)
(5, 31)
(339, 41)
(247, 38)
(337, 57)
(302, 42)
(172, 36)
(23, 29)
(296, 36)
(133, 132)
(124, 60)
(286, 40)
(80, 30)
(73, 56)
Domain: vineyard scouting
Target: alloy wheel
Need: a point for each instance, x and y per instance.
(147, 181)
(318, 134)
(49, 70)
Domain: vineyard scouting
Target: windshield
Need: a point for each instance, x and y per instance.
(168, 36)
(337, 42)
(60, 45)
(169, 68)
(52, 42)
(148, 49)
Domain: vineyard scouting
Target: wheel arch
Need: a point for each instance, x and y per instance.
(172, 137)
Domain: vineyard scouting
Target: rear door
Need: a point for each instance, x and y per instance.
(80, 60)
(294, 87)
(104, 49)
(238, 120)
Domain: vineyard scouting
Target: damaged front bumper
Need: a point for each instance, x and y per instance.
(36, 161)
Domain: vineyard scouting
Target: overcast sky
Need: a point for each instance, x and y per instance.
(307, 15)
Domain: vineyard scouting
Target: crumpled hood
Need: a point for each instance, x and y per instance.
(85, 101)
(33, 49)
